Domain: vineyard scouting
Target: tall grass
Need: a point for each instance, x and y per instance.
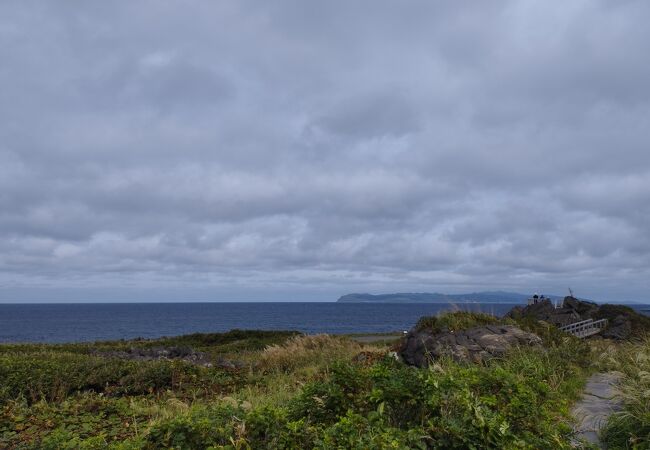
(630, 428)
(455, 321)
(307, 351)
(283, 369)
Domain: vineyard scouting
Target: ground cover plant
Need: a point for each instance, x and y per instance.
(291, 391)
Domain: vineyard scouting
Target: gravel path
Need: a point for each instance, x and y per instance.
(598, 402)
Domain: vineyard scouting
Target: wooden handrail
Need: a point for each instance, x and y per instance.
(585, 328)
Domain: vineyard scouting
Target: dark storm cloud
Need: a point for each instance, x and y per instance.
(269, 148)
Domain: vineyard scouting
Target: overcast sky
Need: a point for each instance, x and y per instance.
(294, 150)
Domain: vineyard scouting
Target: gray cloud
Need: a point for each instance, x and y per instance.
(300, 151)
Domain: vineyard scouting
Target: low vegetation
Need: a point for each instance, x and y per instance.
(255, 390)
(630, 428)
(455, 321)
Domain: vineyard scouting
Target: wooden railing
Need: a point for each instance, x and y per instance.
(585, 328)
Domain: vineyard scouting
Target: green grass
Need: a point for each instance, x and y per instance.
(232, 342)
(296, 392)
(455, 321)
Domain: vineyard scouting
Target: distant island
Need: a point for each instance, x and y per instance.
(426, 297)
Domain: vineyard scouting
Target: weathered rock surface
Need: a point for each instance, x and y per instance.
(618, 328)
(573, 310)
(474, 344)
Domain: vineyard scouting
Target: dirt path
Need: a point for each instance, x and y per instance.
(598, 402)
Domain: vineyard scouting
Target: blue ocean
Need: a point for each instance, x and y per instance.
(108, 321)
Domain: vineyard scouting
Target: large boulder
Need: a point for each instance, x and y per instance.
(419, 347)
(619, 328)
(624, 322)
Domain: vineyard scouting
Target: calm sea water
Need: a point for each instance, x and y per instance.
(91, 322)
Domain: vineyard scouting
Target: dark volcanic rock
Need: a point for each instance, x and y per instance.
(582, 308)
(624, 322)
(619, 328)
(543, 310)
(572, 310)
(474, 344)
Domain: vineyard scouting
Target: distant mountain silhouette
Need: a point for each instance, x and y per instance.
(425, 297)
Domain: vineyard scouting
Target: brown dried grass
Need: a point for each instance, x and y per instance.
(317, 350)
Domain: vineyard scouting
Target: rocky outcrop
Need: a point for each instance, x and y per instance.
(419, 348)
(619, 328)
(623, 321)
(572, 310)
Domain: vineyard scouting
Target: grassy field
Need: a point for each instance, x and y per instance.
(254, 389)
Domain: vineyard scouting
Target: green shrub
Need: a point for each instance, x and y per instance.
(200, 428)
(326, 401)
(400, 393)
(53, 376)
(231, 426)
(354, 431)
(493, 406)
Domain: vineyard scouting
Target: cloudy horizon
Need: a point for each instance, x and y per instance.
(198, 150)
